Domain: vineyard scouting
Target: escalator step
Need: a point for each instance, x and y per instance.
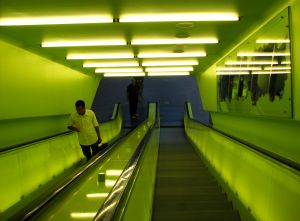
(187, 205)
(190, 197)
(185, 190)
(166, 181)
(205, 215)
(180, 190)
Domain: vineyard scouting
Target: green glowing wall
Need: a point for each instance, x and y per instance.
(274, 134)
(37, 94)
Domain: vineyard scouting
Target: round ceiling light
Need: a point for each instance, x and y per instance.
(184, 25)
(182, 35)
(178, 49)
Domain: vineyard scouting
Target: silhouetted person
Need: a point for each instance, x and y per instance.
(85, 123)
(133, 98)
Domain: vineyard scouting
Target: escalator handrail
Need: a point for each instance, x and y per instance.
(110, 205)
(56, 192)
(282, 160)
(68, 132)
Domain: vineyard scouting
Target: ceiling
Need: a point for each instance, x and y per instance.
(251, 13)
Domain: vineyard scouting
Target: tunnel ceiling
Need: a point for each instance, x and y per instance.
(30, 37)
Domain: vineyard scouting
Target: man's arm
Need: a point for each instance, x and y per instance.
(98, 134)
(73, 128)
(96, 126)
(71, 123)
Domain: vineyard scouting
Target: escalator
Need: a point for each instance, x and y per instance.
(163, 174)
(81, 197)
(185, 190)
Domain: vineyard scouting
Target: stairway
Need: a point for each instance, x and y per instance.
(185, 190)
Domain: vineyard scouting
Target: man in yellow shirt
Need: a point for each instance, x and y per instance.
(85, 123)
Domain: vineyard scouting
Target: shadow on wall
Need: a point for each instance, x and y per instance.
(170, 92)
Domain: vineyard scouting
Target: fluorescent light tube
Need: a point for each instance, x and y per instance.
(270, 41)
(168, 74)
(251, 62)
(175, 41)
(46, 44)
(118, 70)
(113, 172)
(110, 64)
(168, 69)
(271, 72)
(172, 55)
(263, 54)
(233, 73)
(124, 75)
(54, 20)
(99, 56)
(179, 17)
(277, 68)
(239, 69)
(83, 215)
(170, 63)
(96, 195)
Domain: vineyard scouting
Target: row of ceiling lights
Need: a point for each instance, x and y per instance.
(87, 19)
(169, 17)
(143, 74)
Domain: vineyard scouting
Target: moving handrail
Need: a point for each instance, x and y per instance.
(31, 212)
(93, 162)
(25, 144)
(110, 206)
(274, 156)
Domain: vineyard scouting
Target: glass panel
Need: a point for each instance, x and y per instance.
(256, 77)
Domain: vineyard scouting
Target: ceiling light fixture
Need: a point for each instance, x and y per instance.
(168, 69)
(277, 68)
(172, 55)
(174, 41)
(271, 72)
(272, 41)
(179, 17)
(124, 75)
(233, 73)
(251, 62)
(170, 63)
(239, 69)
(99, 56)
(90, 64)
(54, 20)
(118, 70)
(46, 44)
(263, 54)
(168, 74)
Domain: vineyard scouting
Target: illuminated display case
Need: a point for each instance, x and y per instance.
(255, 78)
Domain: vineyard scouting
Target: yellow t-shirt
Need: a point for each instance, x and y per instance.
(86, 124)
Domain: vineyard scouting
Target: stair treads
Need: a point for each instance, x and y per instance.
(188, 205)
(185, 190)
(199, 215)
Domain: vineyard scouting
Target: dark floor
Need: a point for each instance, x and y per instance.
(185, 189)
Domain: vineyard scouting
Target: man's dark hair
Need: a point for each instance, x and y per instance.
(80, 103)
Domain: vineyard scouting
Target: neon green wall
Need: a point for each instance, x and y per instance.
(274, 134)
(21, 130)
(207, 82)
(260, 188)
(295, 31)
(32, 86)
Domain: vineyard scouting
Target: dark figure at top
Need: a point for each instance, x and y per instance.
(133, 98)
